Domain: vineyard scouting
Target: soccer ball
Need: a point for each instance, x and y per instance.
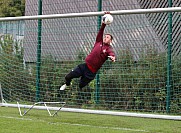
(107, 19)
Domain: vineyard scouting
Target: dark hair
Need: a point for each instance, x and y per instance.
(110, 35)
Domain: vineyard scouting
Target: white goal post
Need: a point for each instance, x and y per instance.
(102, 112)
(1, 95)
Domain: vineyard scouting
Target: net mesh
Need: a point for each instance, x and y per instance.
(137, 81)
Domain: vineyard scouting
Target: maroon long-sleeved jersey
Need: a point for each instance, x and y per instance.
(99, 53)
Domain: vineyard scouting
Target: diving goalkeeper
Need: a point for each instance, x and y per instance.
(101, 51)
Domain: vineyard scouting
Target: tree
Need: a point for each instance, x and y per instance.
(13, 75)
(12, 8)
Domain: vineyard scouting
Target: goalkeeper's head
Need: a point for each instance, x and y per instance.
(107, 38)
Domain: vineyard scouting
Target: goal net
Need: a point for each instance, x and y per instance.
(36, 53)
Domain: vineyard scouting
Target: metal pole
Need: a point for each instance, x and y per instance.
(1, 94)
(169, 71)
(38, 63)
(97, 76)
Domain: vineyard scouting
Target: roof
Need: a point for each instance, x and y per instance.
(64, 37)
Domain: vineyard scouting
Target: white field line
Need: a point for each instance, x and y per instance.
(16, 118)
(71, 124)
(105, 127)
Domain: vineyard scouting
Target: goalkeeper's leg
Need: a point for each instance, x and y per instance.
(80, 71)
(84, 81)
(75, 73)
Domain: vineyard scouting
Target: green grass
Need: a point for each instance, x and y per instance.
(39, 121)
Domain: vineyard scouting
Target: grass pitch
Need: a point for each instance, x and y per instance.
(39, 121)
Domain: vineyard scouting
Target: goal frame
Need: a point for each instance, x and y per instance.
(86, 14)
(45, 106)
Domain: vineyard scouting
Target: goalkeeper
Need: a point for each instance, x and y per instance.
(101, 51)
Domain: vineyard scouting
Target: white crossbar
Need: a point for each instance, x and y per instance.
(86, 14)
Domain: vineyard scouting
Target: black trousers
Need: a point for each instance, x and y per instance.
(80, 71)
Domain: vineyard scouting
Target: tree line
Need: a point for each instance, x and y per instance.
(124, 85)
(12, 8)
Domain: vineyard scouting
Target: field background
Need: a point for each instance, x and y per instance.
(39, 121)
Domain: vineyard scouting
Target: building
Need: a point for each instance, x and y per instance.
(63, 38)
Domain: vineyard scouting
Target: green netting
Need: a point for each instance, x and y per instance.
(137, 81)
